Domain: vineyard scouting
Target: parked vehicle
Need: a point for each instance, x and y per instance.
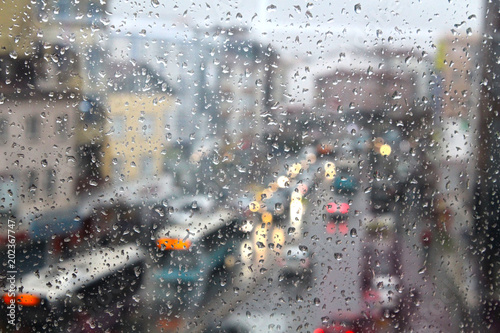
(295, 264)
(94, 288)
(381, 266)
(255, 323)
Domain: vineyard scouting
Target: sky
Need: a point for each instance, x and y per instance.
(307, 28)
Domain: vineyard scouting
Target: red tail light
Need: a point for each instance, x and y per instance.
(319, 330)
(342, 208)
(7, 299)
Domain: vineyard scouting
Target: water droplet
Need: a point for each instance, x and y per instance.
(317, 301)
(354, 232)
(271, 8)
(155, 3)
(357, 8)
(160, 212)
(338, 256)
(13, 55)
(44, 163)
(92, 182)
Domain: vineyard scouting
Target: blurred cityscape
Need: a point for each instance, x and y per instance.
(201, 181)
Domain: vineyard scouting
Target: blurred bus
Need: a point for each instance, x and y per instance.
(191, 257)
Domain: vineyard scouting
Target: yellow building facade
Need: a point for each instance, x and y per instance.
(135, 136)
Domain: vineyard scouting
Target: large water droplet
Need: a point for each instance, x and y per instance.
(357, 8)
(271, 8)
(155, 3)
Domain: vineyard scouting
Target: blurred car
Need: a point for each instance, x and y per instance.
(381, 267)
(184, 208)
(295, 263)
(97, 287)
(345, 182)
(251, 323)
(384, 288)
(347, 323)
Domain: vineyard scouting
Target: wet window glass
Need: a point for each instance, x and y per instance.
(266, 166)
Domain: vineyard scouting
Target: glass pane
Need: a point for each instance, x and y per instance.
(242, 166)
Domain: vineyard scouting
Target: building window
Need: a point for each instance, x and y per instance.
(32, 182)
(4, 134)
(148, 127)
(118, 126)
(147, 166)
(32, 128)
(50, 182)
(8, 193)
(62, 126)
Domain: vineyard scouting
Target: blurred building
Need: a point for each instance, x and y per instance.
(391, 82)
(46, 63)
(456, 104)
(487, 240)
(71, 60)
(139, 106)
(249, 80)
(456, 120)
(226, 85)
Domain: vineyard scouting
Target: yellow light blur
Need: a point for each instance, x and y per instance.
(260, 237)
(230, 261)
(330, 171)
(296, 210)
(295, 169)
(330, 167)
(378, 142)
(283, 181)
(278, 239)
(195, 157)
(329, 176)
(385, 150)
(296, 195)
(261, 195)
(267, 217)
(311, 158)
(254, 206)
(267, 193)
(273, 187)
